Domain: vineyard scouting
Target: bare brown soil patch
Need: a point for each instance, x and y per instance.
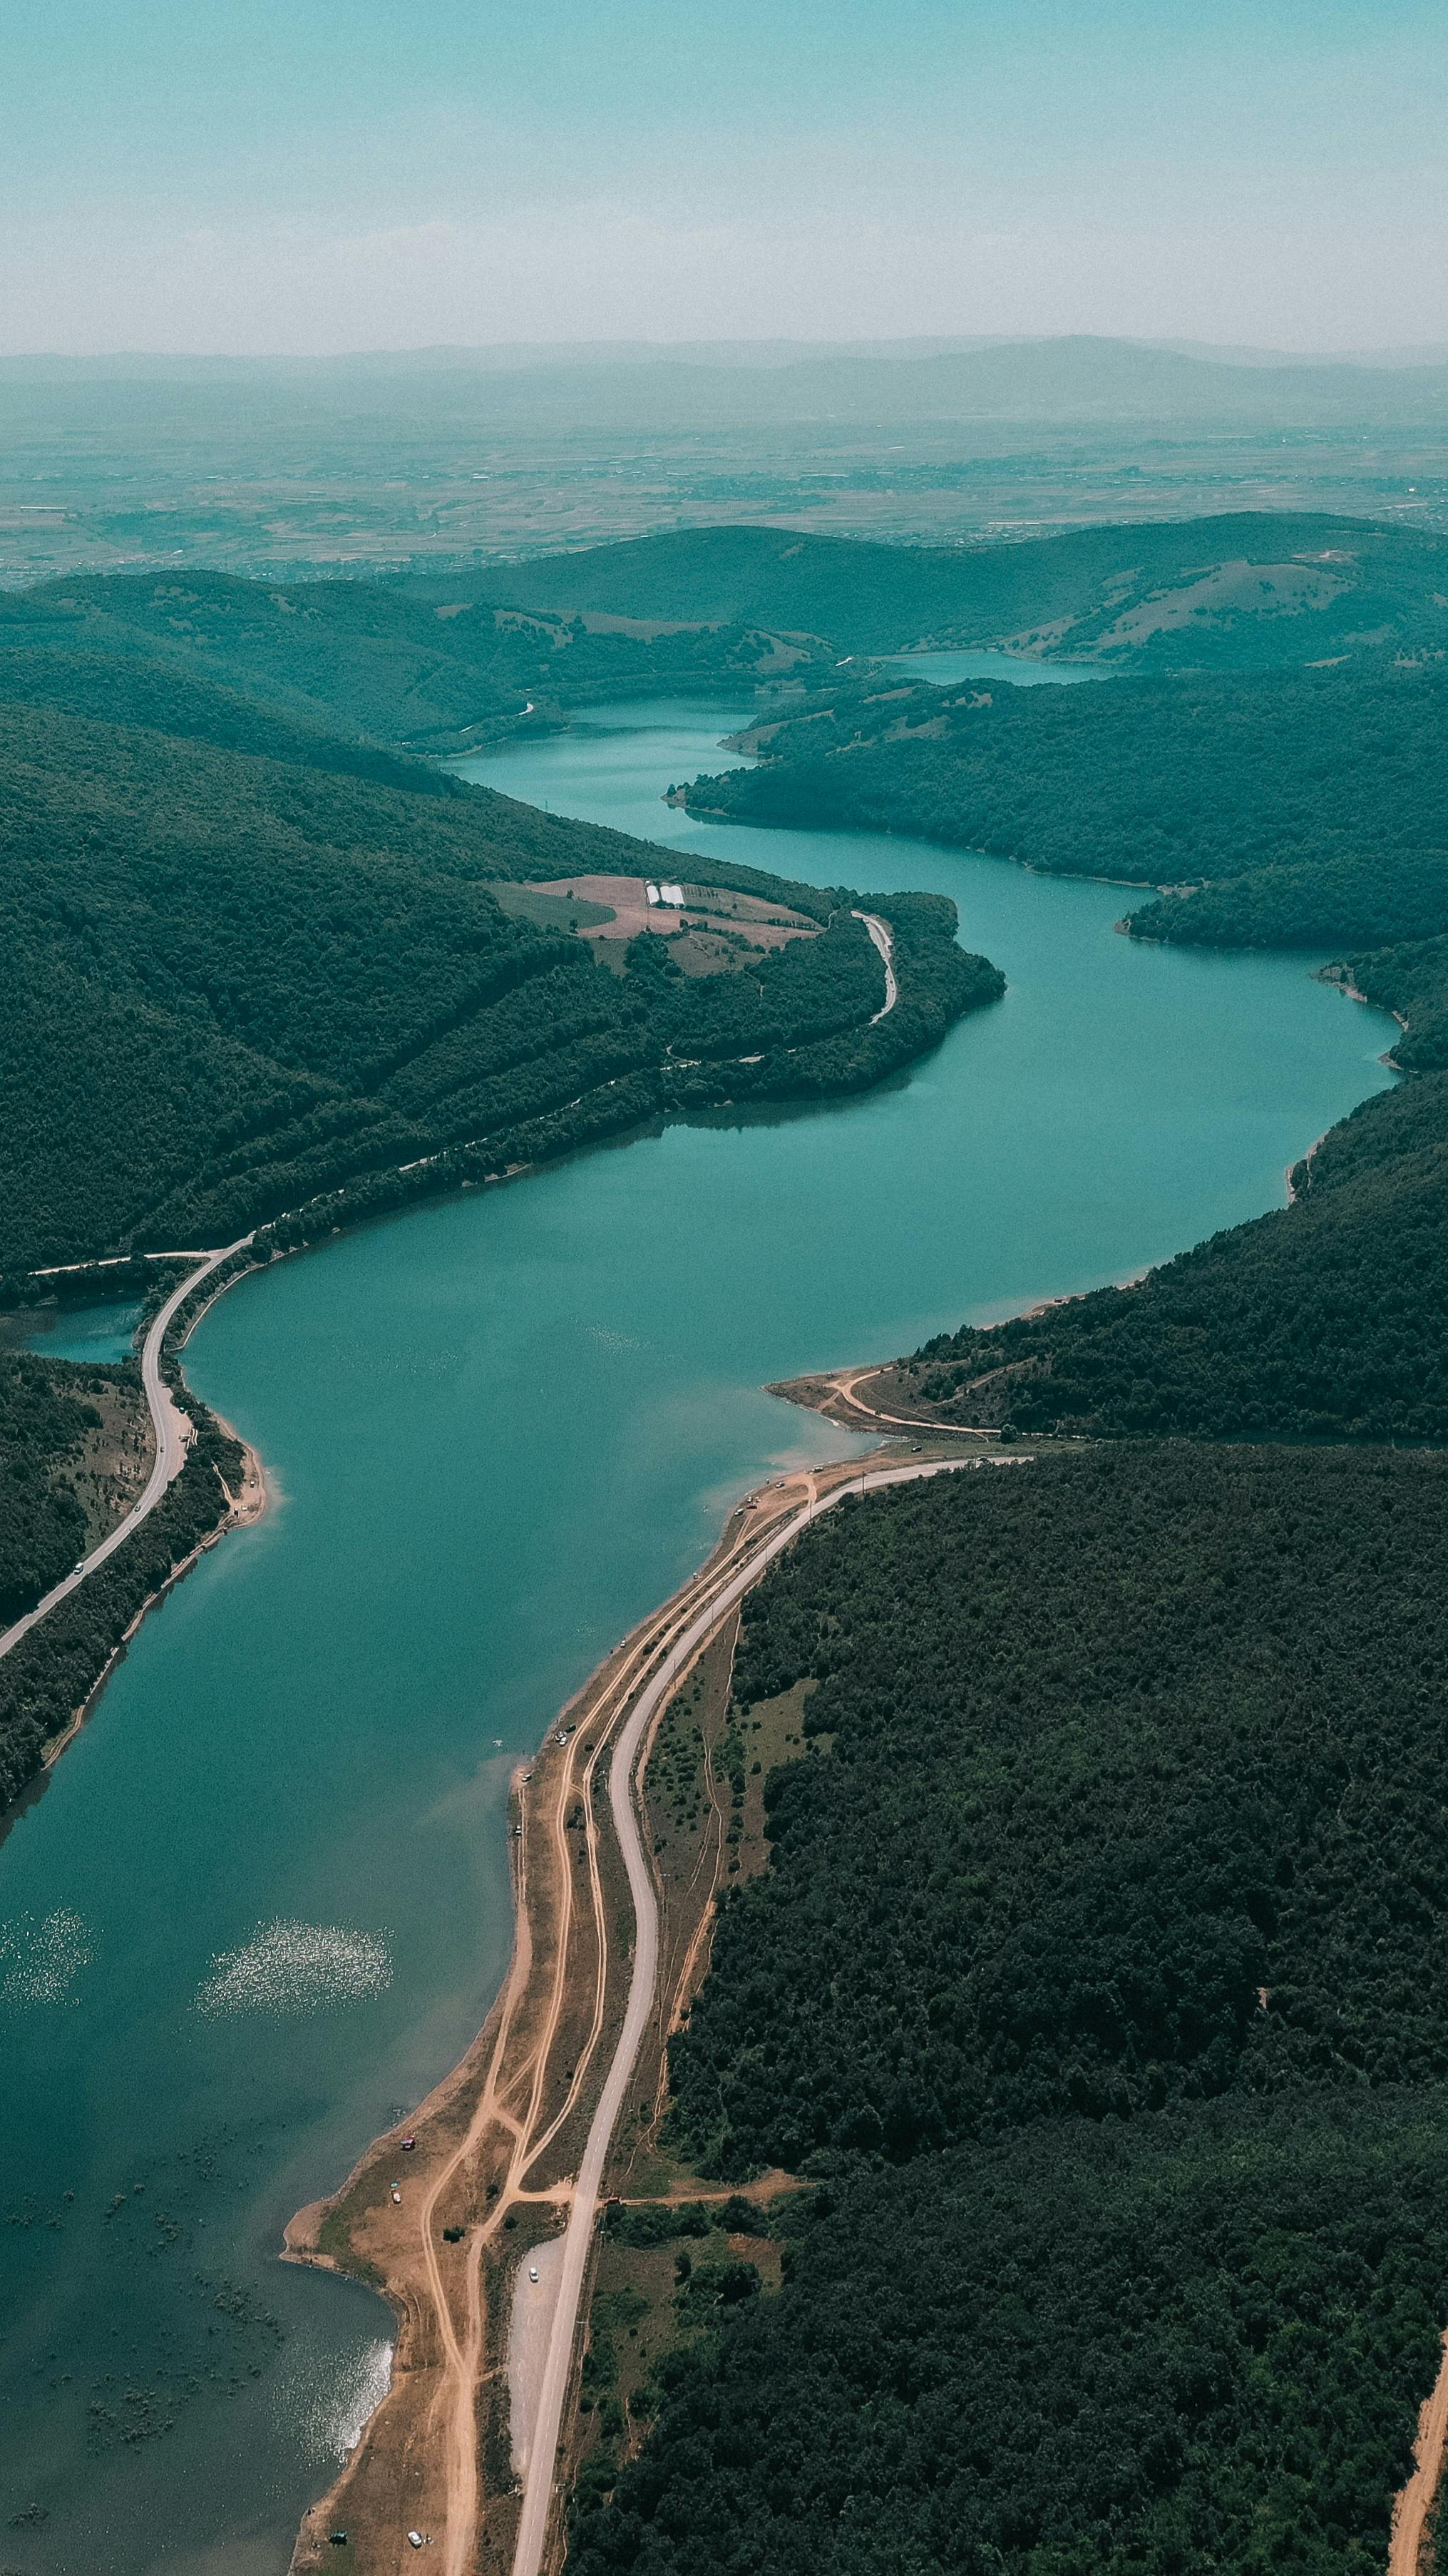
(764, 925)
(883, 1398)
(1411, 2551)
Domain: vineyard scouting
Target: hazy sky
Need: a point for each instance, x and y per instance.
(335, 174)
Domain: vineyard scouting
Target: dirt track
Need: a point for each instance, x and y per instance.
(1413, 2506)
(556, 2054)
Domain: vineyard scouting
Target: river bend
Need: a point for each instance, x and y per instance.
(262, 1903)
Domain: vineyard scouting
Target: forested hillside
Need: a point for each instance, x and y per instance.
(160, 692)
(1191, 2344)
(1325, 779)
(1091, 1721)
(1306, 804)
(44, 1417)
(417, 665)
(1266, 586)
(1093, 1985)
(1284, 809)
(1097, 1980)
(254, 972)
(232, 984)
(48, 1677)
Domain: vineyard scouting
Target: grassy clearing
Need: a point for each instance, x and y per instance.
(647, 2301)
(769, 1733)
(552, 911)
(110, 1470)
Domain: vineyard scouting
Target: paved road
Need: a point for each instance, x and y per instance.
(883, 937)
(542, 2460)
(171, 1430)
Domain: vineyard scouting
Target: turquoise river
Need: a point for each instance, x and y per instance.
(261, 1905)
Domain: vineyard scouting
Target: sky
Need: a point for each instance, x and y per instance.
(325, 175)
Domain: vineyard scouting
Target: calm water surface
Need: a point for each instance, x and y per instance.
(262, 1903)
(105, 1332)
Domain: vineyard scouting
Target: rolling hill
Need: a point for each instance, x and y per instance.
(402, 665)
(1238, 588)
(234, 985)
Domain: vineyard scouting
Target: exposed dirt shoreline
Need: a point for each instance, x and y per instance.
(439, 2225)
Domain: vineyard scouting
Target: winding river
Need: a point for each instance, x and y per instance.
(262, 1903)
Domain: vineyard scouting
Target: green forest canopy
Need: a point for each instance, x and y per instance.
(1189, 2346)
(429, 669)
(1098, 1982)
(1288, 809)
(45, 1413)
(1269, 586)
(232, 984)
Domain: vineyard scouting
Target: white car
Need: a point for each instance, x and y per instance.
(532, 2271)
(415, 2540)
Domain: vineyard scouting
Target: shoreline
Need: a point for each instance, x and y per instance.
(244, 1509)
(578, 2028)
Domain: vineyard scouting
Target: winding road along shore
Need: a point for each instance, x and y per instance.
(522, 2130)
(684, 1643)
(172, 1432)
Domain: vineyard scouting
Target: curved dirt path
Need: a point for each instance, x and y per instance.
(172, 1435)
(845, 1388)
(691, 1631)
(1413, 2506)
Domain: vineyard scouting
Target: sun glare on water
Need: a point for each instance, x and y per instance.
(295, 1968)
(39, 1962)
(332, 2406)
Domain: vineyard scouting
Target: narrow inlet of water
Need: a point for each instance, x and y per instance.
(262, 1903)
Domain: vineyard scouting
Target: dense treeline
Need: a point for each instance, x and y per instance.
(52, 1672)
(1192, 2343)
(240, 988)
(1307, 799)
(1098, 1979)
(1280, 809)
(234, 984)
(937, 982)
(1097, 1972)
(1118, 1743)
(44, 1417)
(165, 696)
(410, 664)
(1327, 1320)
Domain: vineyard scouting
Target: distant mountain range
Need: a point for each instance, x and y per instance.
(748, 384)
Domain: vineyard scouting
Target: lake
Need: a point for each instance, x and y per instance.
(262, 1903)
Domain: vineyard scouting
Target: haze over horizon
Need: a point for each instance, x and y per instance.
(504, 355)
(260, 180)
